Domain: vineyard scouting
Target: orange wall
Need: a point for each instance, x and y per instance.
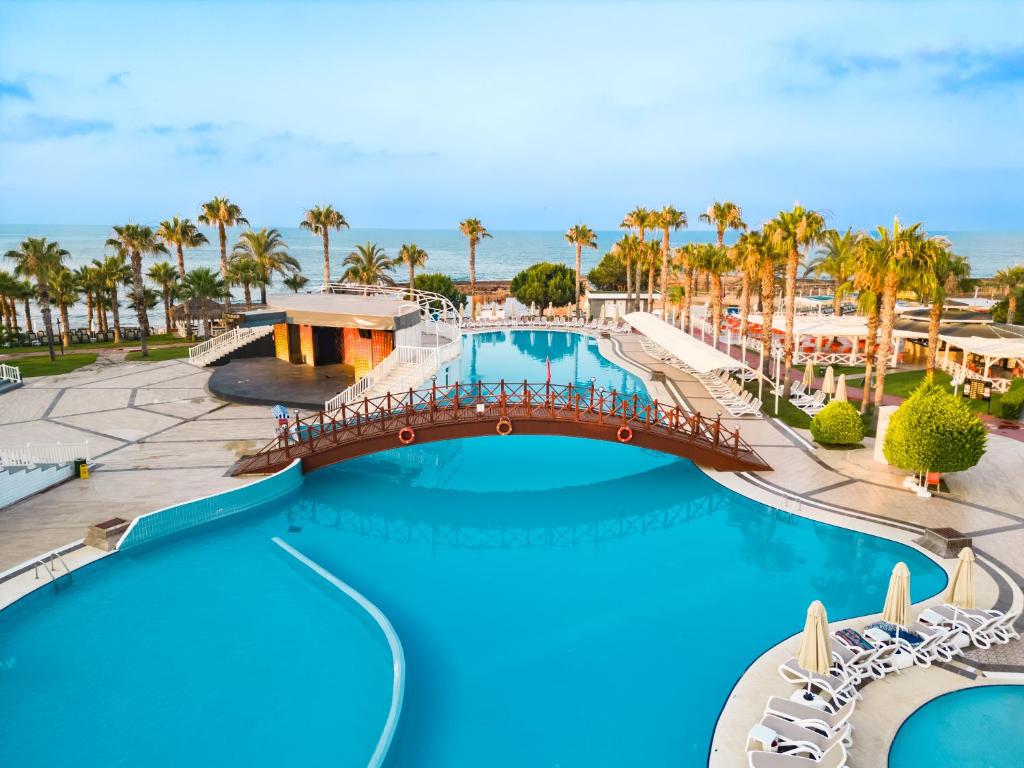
(306, 344)
(363, 354)
(281, 341)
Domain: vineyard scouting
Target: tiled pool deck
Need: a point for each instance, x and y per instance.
(158, 437)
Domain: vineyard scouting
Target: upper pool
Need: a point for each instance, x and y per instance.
(976, 727)
(561, 602)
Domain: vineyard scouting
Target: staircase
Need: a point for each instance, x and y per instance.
(214, 349)
(404, 368)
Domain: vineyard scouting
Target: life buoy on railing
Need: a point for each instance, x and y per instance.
(406, 435)
(625, 434)
(504, 426)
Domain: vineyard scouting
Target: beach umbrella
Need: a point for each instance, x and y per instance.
(533, 309)
(829, 382)
(897, 599)
(809, 376)
(960, 593)
(551, 309)
(604, 311)
(840, 394)
(815, 653)
(615, 311)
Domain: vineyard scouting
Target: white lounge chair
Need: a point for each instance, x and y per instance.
(982, 629)
(840, 688)
(834, 758)
(835, 723)
(800, 739)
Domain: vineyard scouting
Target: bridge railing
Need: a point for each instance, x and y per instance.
(389, 413)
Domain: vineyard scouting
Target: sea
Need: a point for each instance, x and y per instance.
(497, 258)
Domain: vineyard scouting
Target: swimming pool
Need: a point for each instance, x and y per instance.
(977, 727)
(557, 600)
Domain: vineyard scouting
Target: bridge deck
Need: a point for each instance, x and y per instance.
(473, 410)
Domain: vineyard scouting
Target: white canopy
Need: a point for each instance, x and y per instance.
(991, 349)
(695, 353)
(819, 325)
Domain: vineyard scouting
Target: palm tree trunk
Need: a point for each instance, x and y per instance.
(65, 332)
(28, 316)
(1011, 307)
(791, 264)
(687, 298)
(44, 306)
(327, 256)
(579, 266)
(167, 309)
(650, 286)
(223, 235)
(870, 346)
(412, 281)
(934, 316)
(744, 303)
(716, 307)
(636, 283)
(837, 302)
(629, 283)
(691, 290)
(115, 310)
(247, 293)
(181, 262)
(886, 321)
(664, 274)
(140, 302)
(767, 307)
(88, 308)
(12, 309)
(205, 319)
(472, 279)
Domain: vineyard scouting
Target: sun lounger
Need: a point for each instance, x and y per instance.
(982, 629)
(796, 739)
(881, 662)
(835, 723)
(834, 758)
(923, 648)
(840, 689)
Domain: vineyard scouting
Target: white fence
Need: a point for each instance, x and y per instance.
(10, 373)
(218, 346)
(421, 362)
(54, 453)
(960, 373)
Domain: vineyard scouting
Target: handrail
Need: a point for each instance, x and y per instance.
(234, 338)
(426, 359)
(439, 405)
(10, 373)
(45, 453)
(432, 305)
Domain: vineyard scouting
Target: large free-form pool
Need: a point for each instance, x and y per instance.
(561, 602)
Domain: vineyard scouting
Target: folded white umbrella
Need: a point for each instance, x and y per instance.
(809, 376)
(815, 654)
(828, 384)
(840, 394)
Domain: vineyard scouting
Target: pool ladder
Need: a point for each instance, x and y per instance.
(48, 566)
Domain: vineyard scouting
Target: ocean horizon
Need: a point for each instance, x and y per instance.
(499, 258)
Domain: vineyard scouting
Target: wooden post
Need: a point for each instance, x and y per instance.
(716, 428)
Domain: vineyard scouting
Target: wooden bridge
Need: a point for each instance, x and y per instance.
(502, 408)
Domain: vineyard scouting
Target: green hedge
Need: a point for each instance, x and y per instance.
(838, 423)
(1012, 401)
(934, 431)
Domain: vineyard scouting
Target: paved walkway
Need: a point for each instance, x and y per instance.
(156, 437)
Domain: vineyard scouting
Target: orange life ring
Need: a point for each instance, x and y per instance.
(406, 435)
(504, 426)
(625, 434)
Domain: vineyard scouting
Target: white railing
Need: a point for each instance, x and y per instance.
(218, 346)
(432, 306)
(425, 360)
(960, 373)
(10, 373)
(52, 453)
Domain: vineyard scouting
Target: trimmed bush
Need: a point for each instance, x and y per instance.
(545, 283)
(838, 423)
(1012, 401)
(934, 431)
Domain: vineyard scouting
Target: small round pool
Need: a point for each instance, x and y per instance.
(977, 727)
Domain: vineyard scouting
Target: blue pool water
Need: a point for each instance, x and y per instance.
(977, 727)
(558, 601)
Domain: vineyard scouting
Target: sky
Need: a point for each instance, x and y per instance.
(526, 115)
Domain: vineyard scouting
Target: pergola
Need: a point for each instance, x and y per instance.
(990, 349)
(818, 328)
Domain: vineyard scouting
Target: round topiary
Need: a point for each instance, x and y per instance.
(838, 423)
(933, 431)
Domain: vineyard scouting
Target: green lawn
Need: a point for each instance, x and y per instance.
(155, 340)
(792, 416)
(41, 365)
(160, 353)
(902, 383)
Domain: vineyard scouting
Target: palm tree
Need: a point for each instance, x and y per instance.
(8, 289)
(164, 275)
(897, 257)
(181, 233)
(943, 271)
(295, 281)
(652, 257)
(767, 260)
(64, 290)
(320, 220)
(368, 265)
(114, 271)
(581, 236)
(723, 216)
(788, 233)
(1010, 279)
(474, 231)
(39, 259)
(26, 292)
(414, 256)
(746, 256)
(668, 219)
(138, 240)
(246, 272)
(685, 258)
(715, 262)
(85, 277)
(202, 285)
(641, 219)
(270, 252)
(835, 259)
(222, 213)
